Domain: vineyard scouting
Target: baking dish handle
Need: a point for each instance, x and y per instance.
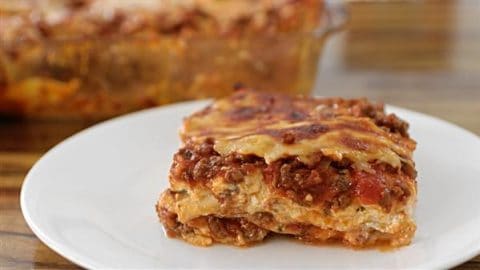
(336, 18)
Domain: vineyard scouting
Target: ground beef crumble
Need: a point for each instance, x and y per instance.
(334, 184)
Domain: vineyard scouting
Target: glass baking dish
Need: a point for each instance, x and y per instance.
(96, 78)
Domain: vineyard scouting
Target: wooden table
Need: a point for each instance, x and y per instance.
(422, 56)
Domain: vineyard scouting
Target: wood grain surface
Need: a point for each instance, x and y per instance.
(422, 55)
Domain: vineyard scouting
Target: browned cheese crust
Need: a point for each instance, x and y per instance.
(40, 20)
(319, 169)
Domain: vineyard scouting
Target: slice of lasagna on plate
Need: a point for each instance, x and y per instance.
(321, 170)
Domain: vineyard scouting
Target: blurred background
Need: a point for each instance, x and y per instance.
(421, 55)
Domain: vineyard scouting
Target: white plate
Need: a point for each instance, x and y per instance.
(91, 199)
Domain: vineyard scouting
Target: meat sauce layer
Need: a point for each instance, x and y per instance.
(221, 229)
(332, 184)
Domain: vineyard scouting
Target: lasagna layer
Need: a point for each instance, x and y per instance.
(344, 175)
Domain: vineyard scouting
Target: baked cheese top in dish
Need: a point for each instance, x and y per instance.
(259, 163)
(41, 20)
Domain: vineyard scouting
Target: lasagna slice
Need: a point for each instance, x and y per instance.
(321, 170)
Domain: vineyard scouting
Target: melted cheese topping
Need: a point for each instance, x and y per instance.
(241, 125)
(329, 144)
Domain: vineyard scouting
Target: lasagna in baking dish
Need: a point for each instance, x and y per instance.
(321, 170)
(100, 58)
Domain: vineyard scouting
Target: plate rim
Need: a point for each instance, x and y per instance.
(78, 259)
(59, 248)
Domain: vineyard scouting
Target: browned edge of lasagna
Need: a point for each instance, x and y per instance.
(33, 21)
(319, 169)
